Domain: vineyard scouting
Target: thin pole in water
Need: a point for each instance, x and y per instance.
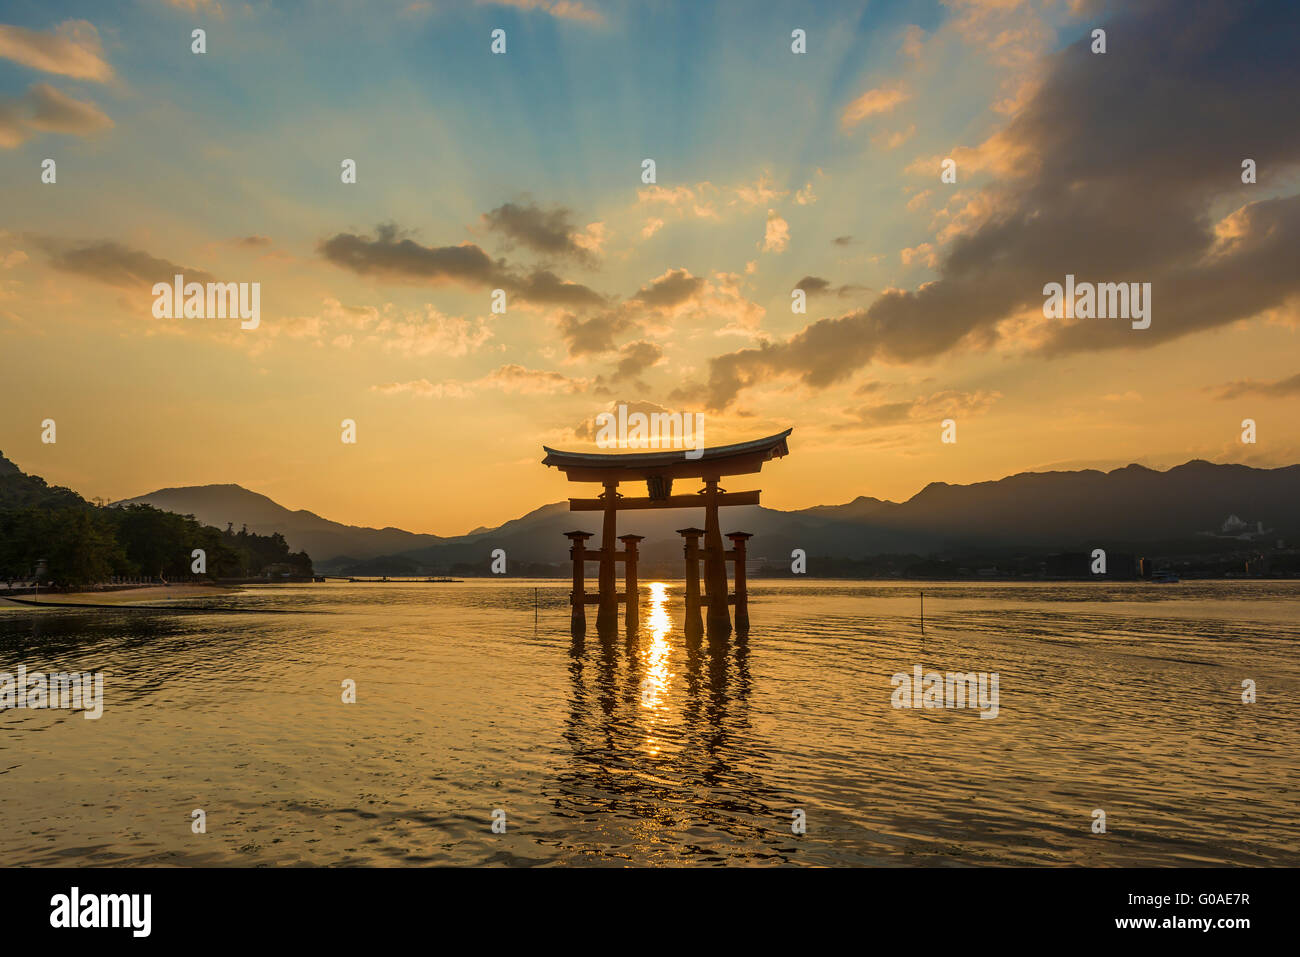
(923, 611)
(534, 611)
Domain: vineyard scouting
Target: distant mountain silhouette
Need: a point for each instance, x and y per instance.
(219, 505)
(1039, 510)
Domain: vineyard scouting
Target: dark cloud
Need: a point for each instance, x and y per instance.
(817, 286)
(546, 231)
(823, 353)
(115, 264)
(1116, 170)
(391, 255)
(44, 109)
(671, 289)
(587, 429)
(842, 240)
(813, 285)
(387, 254)
(634, 359)
(596, 334)
(546, 288)
(56, 112)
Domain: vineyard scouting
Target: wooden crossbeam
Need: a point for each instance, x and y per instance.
(590, 599)
(672, 501)
(594, 556)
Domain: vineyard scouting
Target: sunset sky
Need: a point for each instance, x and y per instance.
(522, 171)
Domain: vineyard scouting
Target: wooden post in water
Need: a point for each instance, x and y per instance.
(632, 614)
(607, 584)
(737, 553)
(694, 626)
(578, 597)
(715, 565)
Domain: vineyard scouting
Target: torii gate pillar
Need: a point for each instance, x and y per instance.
(632, 587)
(578, 597)
(737, 555)
(607, 613)
(715, 565)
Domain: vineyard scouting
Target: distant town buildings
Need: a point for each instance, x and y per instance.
(1234, 527)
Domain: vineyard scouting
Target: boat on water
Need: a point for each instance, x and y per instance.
(385, 578)
(1165, 578)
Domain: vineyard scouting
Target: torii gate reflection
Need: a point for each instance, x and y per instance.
(658, 470)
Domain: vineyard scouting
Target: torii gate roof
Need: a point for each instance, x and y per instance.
(739, 459)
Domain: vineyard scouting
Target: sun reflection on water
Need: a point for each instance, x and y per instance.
(656, 653)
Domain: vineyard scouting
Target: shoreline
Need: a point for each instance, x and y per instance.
(125, 595)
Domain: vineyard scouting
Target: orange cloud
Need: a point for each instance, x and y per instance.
(72, 49)
(880, 100)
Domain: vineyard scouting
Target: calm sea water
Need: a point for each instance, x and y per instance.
(1124, 698)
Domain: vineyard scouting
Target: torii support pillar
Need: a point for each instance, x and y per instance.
(607, 584)
(715, 565)
(632, 614)
(737, 555)
(694, 623)
(578, 597)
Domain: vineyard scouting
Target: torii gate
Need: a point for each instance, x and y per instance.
(658, 470)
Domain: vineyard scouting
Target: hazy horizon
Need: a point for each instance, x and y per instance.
(452, 534)
(765, 505)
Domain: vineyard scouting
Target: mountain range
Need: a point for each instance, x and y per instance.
(1129, 506)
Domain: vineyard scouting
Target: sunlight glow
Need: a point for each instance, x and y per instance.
(656, 653)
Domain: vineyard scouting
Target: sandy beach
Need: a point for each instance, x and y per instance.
(144, 594)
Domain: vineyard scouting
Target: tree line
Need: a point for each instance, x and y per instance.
(85, 544)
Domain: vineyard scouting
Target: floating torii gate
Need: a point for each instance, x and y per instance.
(658, 470)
